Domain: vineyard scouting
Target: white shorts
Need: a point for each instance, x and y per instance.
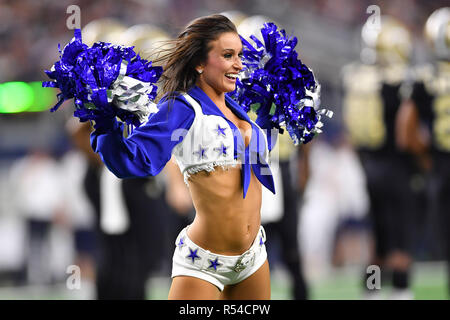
(191, 260)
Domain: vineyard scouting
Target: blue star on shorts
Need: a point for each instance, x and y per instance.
(181, 243)
(193, 255)
(214, 264)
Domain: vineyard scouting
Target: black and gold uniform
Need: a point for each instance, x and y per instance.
(429, 105)
(370, 104)
(431, 96)
(372, 98)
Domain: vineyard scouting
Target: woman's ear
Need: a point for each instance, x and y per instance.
(200, 68)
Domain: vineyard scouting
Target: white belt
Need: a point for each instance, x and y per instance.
(206, 260)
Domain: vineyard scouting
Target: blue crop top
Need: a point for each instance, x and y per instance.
(148, 148)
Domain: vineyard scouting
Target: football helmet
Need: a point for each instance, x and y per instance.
(437, 32)
(146, 39)
(386, 43)
(106, 29)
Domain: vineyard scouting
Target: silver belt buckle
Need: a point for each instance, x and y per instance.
(244, 261)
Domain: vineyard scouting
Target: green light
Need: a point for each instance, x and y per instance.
(44, 98)
(20, 96)
(15, 97)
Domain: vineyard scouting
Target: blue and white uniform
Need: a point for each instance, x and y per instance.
(196, 132)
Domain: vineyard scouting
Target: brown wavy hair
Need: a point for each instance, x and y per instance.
(181, 55)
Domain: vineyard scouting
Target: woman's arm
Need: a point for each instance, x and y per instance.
(409, 135)
(146, 151)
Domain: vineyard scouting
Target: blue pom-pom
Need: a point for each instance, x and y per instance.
(279, 86)
(105, 81)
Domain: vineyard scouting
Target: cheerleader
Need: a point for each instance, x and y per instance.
(222, 155)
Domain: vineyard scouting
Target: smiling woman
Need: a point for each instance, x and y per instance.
(222, 154)
(218, 74)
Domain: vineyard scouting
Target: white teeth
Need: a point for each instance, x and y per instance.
(231, 75)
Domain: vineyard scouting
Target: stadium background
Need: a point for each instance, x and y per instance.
(334, 238)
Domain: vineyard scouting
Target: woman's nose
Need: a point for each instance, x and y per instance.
(238, 64)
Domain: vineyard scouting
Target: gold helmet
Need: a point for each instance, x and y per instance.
(146, 38)
(107, 30)
(386, 43)
(252, 26)
(437, 32)
(235, 16)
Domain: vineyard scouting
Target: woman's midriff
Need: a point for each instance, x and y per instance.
(225, 223)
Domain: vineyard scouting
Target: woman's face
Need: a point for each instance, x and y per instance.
(223, 63)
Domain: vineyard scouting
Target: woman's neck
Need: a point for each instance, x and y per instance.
(217, 97)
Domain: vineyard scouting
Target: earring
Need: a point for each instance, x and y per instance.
(200, 71)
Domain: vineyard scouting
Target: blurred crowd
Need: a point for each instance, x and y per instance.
(31, 30)
(60, 207)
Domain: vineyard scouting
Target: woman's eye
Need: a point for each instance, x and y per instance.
(228, 55)
(241, 55)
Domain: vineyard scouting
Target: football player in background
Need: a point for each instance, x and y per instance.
(371, 99)
(424, 124)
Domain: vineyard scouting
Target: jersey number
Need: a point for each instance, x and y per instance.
(441, 125)
(364, 118)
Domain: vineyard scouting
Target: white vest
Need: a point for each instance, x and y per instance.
(208, 143)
